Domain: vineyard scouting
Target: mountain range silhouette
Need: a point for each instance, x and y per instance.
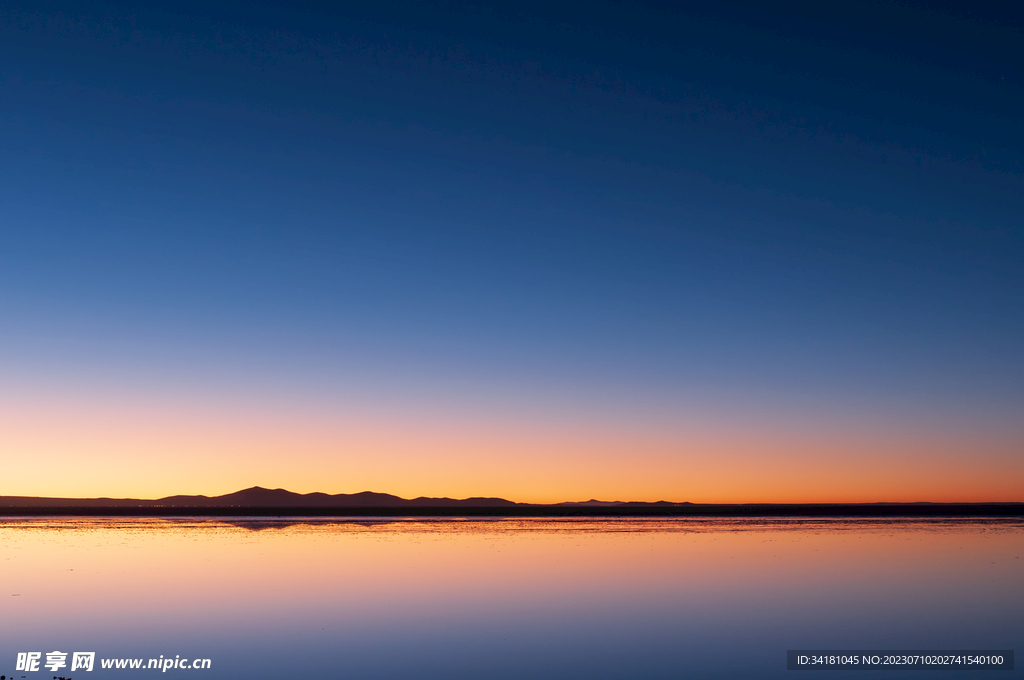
(259, 497)
(259, 501)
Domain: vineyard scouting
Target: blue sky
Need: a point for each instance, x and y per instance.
(797, 210)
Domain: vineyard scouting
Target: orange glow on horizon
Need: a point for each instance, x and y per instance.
(118, 450)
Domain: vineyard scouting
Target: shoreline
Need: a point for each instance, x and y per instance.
(872, 510)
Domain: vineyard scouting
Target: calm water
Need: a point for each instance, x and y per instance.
(506, 598)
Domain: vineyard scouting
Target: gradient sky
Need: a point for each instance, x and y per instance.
(539, 251)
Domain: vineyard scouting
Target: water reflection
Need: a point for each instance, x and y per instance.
(547, 598)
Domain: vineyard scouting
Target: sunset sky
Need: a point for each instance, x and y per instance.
(539, 251)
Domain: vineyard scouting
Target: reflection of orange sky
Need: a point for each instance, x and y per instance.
(155, 574)
(125, 450)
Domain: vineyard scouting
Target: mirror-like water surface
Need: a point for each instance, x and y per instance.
(541, 598)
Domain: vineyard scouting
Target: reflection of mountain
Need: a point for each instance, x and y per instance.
(275, 523)
(258, 497)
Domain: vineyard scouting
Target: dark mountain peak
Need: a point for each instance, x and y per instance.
(488, 502)
(260, 491)
(364, 494)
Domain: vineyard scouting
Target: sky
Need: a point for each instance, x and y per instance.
(541, 251)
